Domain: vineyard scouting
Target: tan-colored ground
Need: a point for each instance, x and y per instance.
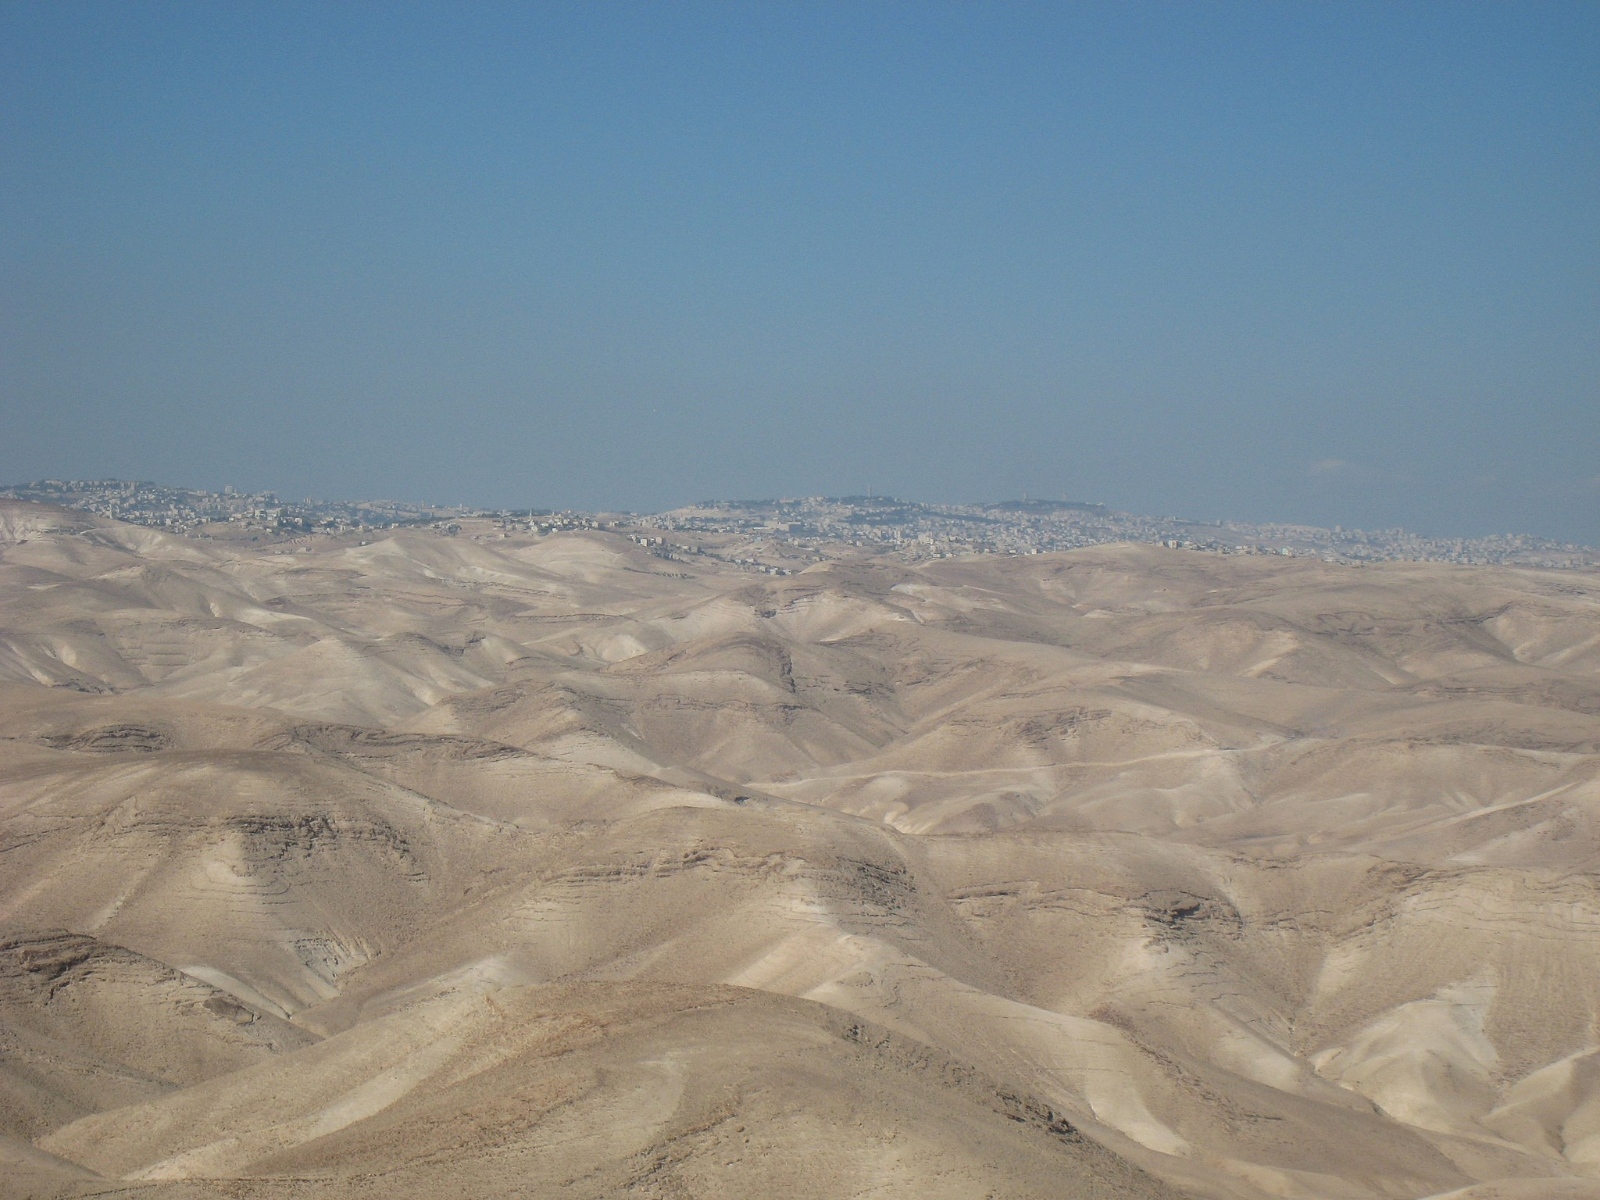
(471, 867)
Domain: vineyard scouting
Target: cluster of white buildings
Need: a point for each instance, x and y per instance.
(797, 530)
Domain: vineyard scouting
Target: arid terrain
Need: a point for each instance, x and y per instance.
(414, 865)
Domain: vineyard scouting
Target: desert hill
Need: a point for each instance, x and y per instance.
(529, 865)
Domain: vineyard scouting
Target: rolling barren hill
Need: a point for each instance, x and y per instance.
(488, 865)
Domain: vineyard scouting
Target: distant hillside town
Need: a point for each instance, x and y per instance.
(786, 534)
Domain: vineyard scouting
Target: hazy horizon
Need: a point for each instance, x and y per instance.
(991, 502)
(1327, 265)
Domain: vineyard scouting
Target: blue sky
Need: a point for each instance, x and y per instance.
(1334, 263)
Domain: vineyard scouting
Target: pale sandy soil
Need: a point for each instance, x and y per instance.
(545, 867)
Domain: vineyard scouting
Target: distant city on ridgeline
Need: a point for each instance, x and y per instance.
(765, 534)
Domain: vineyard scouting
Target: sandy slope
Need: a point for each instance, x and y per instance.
(514, 866)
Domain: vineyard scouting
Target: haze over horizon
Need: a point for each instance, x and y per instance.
(1324, 264)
